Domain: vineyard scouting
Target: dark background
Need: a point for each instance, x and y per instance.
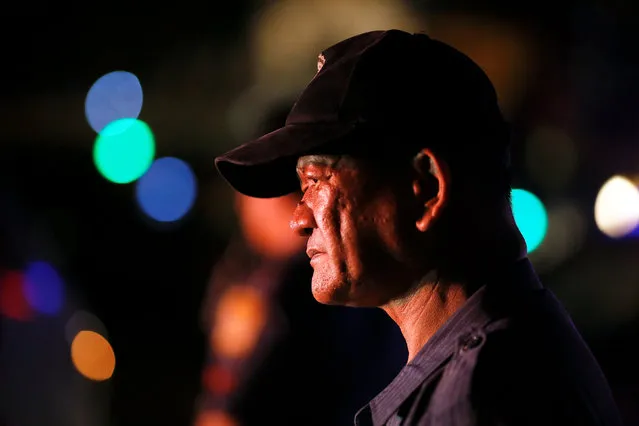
(566, 67)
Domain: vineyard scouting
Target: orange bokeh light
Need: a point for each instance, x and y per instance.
(239, 319)
(215, 418)
(92, 356)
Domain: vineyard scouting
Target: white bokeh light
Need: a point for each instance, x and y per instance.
(617, 207)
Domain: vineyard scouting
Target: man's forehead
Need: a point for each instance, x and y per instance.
(317, 160)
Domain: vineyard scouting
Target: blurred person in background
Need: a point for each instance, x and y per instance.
(274, 353)
(402, 155)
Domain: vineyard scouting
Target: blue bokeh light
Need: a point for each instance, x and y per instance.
(167, 191)
(43, 288)
(113, 96)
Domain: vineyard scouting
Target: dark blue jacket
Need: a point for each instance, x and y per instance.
(510, 356)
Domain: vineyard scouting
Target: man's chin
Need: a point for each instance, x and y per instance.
(330, 294)
(341, 296)
(344, 296)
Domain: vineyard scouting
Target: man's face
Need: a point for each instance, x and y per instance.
(359, 221)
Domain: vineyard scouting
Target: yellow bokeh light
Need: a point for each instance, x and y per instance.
(288, 35)
(92, 355)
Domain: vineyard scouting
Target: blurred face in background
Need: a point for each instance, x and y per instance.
(265, 225)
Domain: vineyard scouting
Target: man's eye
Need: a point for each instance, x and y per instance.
(309, 181)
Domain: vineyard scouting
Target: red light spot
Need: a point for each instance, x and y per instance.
(13, 302)
(219, 380)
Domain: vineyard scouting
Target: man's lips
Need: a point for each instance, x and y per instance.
(313, 252)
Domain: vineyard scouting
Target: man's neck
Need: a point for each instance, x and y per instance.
(433, 300)
(422, 312)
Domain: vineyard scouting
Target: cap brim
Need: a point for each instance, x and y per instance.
(265, 167)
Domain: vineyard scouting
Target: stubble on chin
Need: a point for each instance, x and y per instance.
(329, 290)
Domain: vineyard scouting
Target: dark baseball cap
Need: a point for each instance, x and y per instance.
(383, 93)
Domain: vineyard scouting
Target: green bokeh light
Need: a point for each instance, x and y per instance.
(124, 150)
(530, 216)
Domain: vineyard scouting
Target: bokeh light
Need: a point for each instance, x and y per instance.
(124, 150)
(113, 96)
(13, 300)
(92, 355)
(566, 234)
(44, 289)
(166, 192)
(551, 157)
(311, 26)
(252, 107)
(83, 320)
(505, 51)
(219, 380)
(239, 320)
(215, 418)
(530, 216)
(617, 207)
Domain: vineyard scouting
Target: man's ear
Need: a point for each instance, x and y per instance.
(431, 187)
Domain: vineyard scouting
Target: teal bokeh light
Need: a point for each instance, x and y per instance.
(531, 217)
(124, 150)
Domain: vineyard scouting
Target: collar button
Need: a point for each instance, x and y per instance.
(471, 342)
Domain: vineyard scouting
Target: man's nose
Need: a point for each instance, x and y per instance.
(303, 221)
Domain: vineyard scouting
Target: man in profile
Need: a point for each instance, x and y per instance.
(273, 351)
(403, 159)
